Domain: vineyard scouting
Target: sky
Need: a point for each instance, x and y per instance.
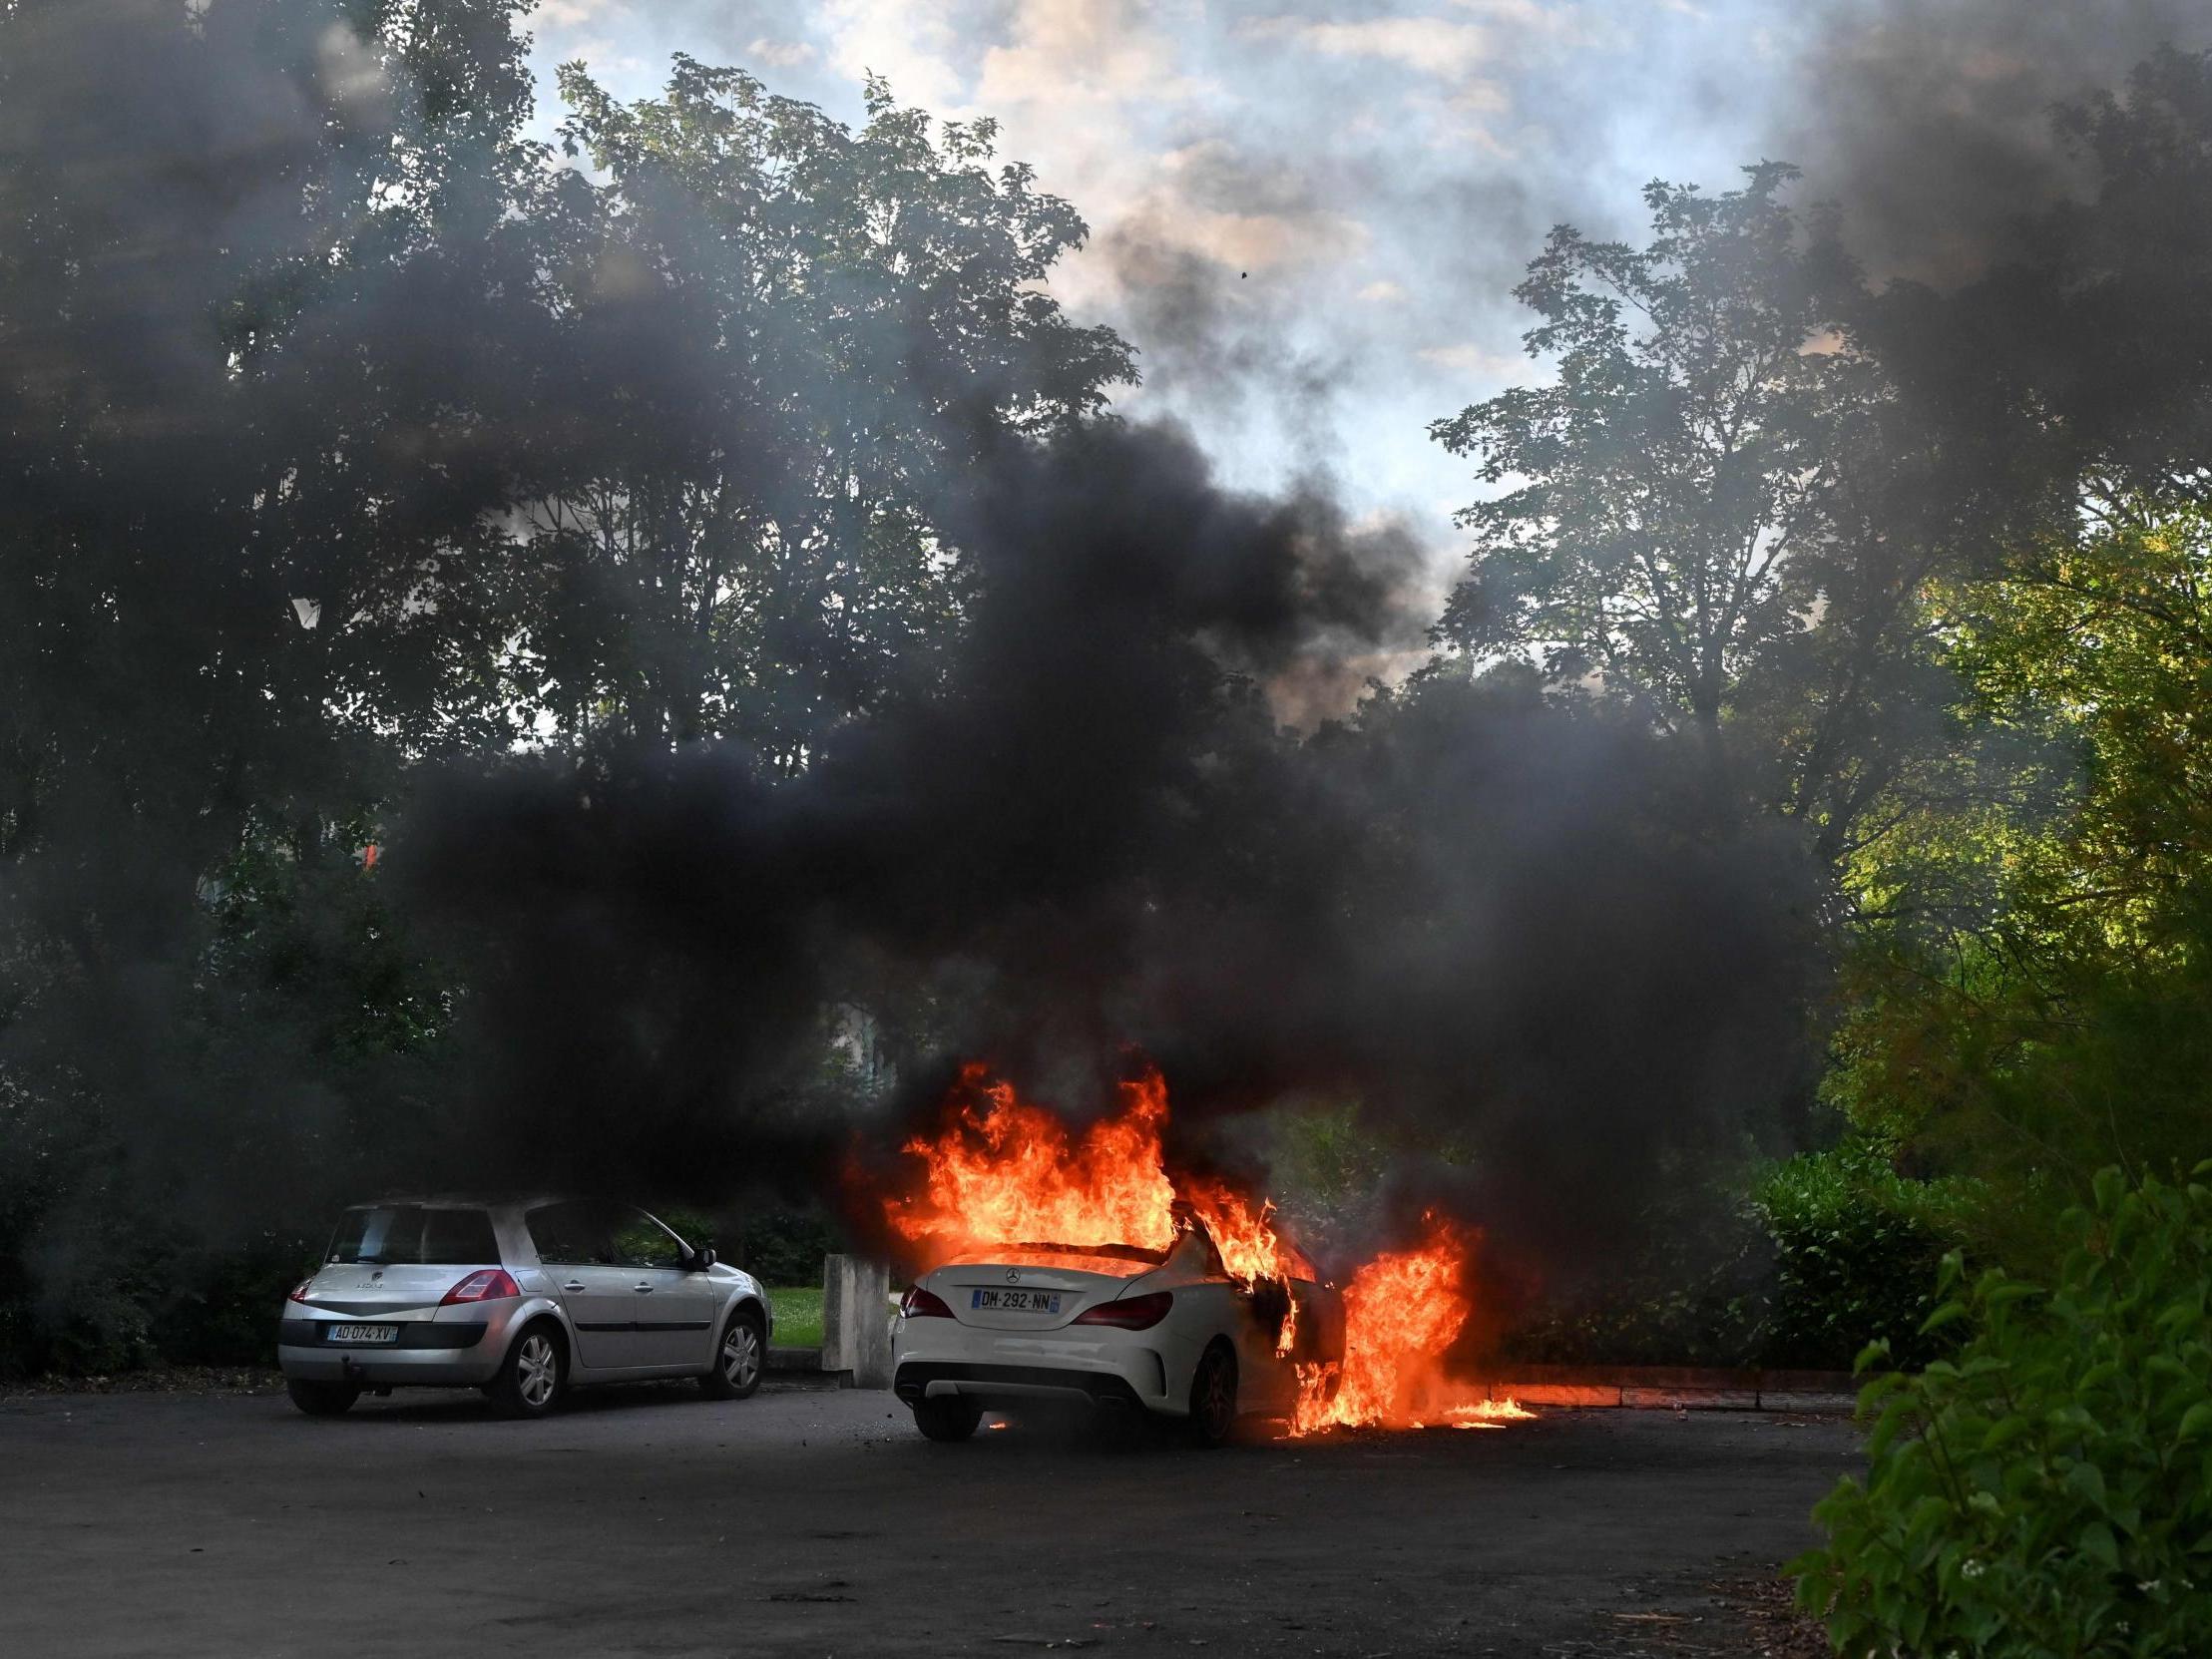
(1309, 216)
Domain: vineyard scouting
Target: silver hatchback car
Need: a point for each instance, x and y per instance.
(523, 1300)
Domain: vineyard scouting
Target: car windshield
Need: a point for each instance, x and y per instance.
(414, 1235)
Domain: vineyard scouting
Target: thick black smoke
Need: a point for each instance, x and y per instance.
(1931, 121)
(2023, 202)
(1539, 937)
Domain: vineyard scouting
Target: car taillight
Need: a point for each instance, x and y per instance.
(1133, 1313)
(298, 1292)
(924, 1304)
(487, 1286)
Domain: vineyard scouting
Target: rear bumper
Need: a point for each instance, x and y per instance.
(389, 1367)
(1012, 1386)
(1116, 1369)
(432, 1353)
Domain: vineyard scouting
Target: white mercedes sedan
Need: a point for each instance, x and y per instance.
(1111, 1328)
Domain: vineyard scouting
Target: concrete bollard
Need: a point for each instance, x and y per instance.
(856, 1335)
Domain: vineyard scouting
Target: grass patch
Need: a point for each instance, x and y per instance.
(798, 1316)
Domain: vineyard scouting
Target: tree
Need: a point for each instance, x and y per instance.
(1655, 486)
(259, 285)
(1691, 513)
(344, 432)
(243, 535)
(2034, 972)
(799, 338)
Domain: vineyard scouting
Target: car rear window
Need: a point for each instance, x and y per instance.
(414, 1235)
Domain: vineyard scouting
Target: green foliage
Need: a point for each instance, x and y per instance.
(839, 322)
(1674, 1306)
(1798, 1266)
(1326, 1171)
(1649, 483)
(2028, 985)
(1708, 471)
(1856, 1250)
(375, 438)
(217, 1303)
(2048, 1491)
(787, 1246)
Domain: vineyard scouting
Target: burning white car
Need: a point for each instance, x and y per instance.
(1115, 1328)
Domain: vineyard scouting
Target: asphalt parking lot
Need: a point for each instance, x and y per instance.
(650, 1522)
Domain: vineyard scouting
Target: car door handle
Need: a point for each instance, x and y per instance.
(644, 1290)
(574, 1284)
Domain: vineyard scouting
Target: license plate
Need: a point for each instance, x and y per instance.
(1017, 1301)
(361, 1333)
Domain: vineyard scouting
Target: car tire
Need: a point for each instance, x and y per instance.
(740, 1358)
(952, 1418)
(535, 1372)
(1213, 1396)
(321, 1399)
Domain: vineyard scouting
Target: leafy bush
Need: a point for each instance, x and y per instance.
(222, 1306)
(1800, 1266)
(786, 1247)
(2049, 1491)
(1693, 1293)
(1856, 1251)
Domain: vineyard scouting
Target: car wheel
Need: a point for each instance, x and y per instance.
(739, 1359)
(321, 1399)
(951, 1419)
(1213, 1396)
(534, 1373)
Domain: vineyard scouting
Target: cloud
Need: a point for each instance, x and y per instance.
(781, 54)
(1382, 294)
(915, 47)
(1466, 357)
(1429, 45)
(567, 14)
(1084, 51)
(604, 57)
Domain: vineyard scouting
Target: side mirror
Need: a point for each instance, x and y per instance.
(702, 1259)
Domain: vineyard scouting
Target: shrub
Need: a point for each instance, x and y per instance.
(786, 1247)
(2048, 1493)
(1800, 1266)
(222, 1306)
(1855, 1249)
(1693, 1291)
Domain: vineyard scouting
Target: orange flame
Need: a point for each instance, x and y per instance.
(1250, 1246)
(1002, 1171)
(1008, 1172)
(1401, 1312)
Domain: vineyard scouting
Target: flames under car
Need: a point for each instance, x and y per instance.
(1118, 1329)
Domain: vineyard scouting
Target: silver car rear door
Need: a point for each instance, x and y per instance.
(576, 1241)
